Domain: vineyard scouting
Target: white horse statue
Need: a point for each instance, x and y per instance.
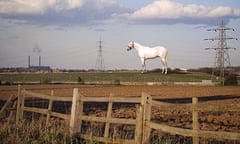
(150, 53)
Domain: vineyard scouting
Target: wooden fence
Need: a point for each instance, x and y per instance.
(143, 123)
(195, 132)
(22, 94)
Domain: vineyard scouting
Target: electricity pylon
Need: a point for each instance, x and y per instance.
(222, 55)
(99, 66)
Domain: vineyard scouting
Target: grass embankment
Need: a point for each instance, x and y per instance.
(103, 76)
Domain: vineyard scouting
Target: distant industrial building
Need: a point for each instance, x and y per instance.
(39, 67)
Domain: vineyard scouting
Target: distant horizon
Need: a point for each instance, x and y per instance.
(93, 69)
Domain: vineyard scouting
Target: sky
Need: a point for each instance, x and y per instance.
(66, 33)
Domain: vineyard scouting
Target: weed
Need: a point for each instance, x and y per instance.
(35, 131)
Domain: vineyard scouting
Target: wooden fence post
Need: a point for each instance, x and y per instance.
(76, 111)
(139, 124)
(146, 102)
(50, 107)
(195, 121)
(109, 112)
(20, 105)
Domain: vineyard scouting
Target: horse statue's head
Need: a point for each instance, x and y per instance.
(130, 45)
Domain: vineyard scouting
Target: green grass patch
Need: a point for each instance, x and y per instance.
(104, 76)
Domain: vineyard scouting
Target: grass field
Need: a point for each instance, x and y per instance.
(104, 76)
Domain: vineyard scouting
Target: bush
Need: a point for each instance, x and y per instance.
(8, 83)
(116, 82)
(231, 80)
(80, 80)
(46, 81)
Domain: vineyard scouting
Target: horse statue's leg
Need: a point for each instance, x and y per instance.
(164, 67)
(143, 65)
(165, 62)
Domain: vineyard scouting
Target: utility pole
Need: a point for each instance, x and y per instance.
(222, 55)
(99, 66)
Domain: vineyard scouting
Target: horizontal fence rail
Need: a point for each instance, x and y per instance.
(109, 120)
(46, 112)
(42, 96)
(200, 107)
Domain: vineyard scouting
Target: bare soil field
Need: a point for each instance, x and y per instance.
(158, 92)
(215, 121)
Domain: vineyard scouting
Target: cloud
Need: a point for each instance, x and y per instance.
(88, 12)
(166, 11)
(60, 12)
(21, 7)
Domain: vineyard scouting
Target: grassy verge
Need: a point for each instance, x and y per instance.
(104, 76)
(34, 131)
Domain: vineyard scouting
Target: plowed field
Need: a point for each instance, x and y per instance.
(215, 121)
(159, 92)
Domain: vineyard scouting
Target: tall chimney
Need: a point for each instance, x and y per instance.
(29, 62)
(39, 60)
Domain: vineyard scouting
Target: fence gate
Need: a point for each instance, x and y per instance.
(143, 114)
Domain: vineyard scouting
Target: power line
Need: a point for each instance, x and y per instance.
(222, 55)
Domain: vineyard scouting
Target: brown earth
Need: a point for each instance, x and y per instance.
(159, 92)
(215, 121)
